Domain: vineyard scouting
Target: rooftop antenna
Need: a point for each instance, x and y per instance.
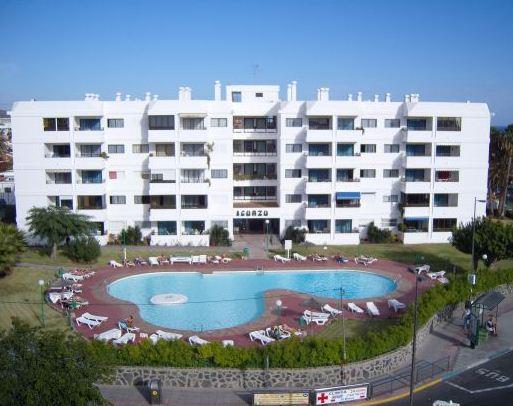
(256, 69)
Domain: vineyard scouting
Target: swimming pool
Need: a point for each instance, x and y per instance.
(226, 299)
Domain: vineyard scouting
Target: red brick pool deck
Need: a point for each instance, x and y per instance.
(94, 289)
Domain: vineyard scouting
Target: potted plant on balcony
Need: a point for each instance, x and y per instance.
(209, 147)
(104, 155)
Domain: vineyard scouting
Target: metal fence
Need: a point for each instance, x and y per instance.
(424, 370)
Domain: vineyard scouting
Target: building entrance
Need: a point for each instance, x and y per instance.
(256, 226)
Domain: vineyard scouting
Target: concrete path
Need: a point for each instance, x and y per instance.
(256, 244)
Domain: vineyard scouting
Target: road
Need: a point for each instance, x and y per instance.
(487, 384)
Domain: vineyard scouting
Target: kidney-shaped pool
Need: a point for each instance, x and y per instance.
(226, 299)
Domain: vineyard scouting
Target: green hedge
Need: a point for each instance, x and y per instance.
(310, 352)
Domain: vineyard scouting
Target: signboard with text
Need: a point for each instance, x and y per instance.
(283, 398)
(341, 394)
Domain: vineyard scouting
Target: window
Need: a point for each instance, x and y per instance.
(294, 122)
(192, 176)
(293, 198)
(113, 175)
(292, 173)
(93, 150)
(345, 149)
(319, 201)
(390, 173)
(368, 148)
(142, 199)
(218, 122)
(193, 123)
(418, 124)
(417, 150)
(8, 189)
(392, 123)
(118, 200)
(219, 173)
(60, 151)
(143, 224)
(161, 122)
(294, 148)
(259, 94)
(193, 227)
(319, 123)
(318, 226)
(91, 176)
(391, 148)
(416, 225)
(447, 150)
(163, 202)
(367, 173)
(90, 124)
(56, 124)
(369, 123)
(193, 149)
(319, 175)
(293, 223)
(94, 202)
(165, 149)
(448, 124)
(140, 148)
(319, 149)
(115, 123)
(388, 222)
(116, 149)
(447, 176)
(194, 202)
(444, 224)
(58, 178)
(254, 123)
(390, 198)
(254, 147)
(445, 200)
(345, 123)
(166, 227)
(345, 175)
(219, 223)
(417, 175)
(343, 226)
(236, 97)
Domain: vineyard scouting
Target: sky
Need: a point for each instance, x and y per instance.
(446, 50)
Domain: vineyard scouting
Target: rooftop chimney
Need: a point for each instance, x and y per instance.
(289, 92)
(147, 96)
(406, 98)
(127, 97)
(217, 90)
(360, 96)
(376, 98)
(155, 97)
(388, 99)
(319, 94)
(294, 90)
(323, 94)
(350, 97)
(181, 90)
(118, 96)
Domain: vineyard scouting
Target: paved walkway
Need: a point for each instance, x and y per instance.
(256, 244)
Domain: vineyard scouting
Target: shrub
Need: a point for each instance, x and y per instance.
(131, 236)
(12, 244)
(378, 235)
(297, 235)
(83, 249)
(219, 236)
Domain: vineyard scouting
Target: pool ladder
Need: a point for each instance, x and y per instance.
(260, 269)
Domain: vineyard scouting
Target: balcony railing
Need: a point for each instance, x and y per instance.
(422, 204)
(318, 205)
(52, 155)
(162, 181)
(88, 154)
(194, 206)
(91, 207)
(88, 129)
(56, 182)
(348, 179)
(254, 198)
(242, 176)
(193, 180)
(348, 204)
(254, 153)
(89, 182)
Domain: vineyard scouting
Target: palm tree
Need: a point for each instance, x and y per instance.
(12, 244)
(54, 224)
(500, 165)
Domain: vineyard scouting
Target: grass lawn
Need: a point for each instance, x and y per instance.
(39, 256)
(354, 328)
(21, 287)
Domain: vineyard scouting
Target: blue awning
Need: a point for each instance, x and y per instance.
(416, 218)
(347, 195)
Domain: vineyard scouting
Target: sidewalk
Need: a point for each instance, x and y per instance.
(447, 339)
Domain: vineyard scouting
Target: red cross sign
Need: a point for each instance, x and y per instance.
(322, 398)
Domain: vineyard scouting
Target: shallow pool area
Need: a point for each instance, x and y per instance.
(227, 299)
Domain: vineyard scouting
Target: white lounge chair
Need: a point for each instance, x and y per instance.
(70, 277)
(298, 257)
(55, 297)
(198, 341)
(372, 309)
(443, 280)
(319, 258)
(203, 259)
(279, 258)
(436, 275)
(115, 264)
(112, 334)
(94, 317)
(421, 268)
(167, 335)
(354, 308)
(310, 313)
(89, 323)
(396, 305)
(153, 261)
(283, 334)
(228, 343)
(124, 339)
(331, 310)
(187, 260)
(316, 317)
(223, 260)
(259, 335)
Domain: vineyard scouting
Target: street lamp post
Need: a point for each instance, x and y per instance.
(414, 342)
(267, 237)
(474, 262)
(278, 309)
(41, 284)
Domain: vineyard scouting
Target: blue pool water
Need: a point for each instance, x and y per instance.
(227, 299)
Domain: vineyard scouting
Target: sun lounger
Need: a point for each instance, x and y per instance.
(331, 310)
(153, 261)
(225, 260)
(55, 297)
(94, 317)
(443, 280)
(396, 305)
(309, 313)
(421, 268)
(281, 334)
(198, 341)
(436, 275)
(112, 334)
(70, 277)
(167, 335)
(279, 258)
(354, 308)
(187, 260)
(259, 335)
(115, 264)
(316, 317)
(372, 309)
(228, 343)
(341, 259)
(89, 323)
(319, 258)
(124, 339)
(298, 257)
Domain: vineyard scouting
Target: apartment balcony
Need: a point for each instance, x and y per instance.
(259, 157)
(194, 187)
(416, 211)
(417, 136)
(446, 162)
(446, 187)
(349, 136)
(56, 137)
(88, 136)
(349, 161)
(89, 161)
(352, 238)
(319, 161)
(241, 202)
(318, 188)
(53, 162)
(162, 188)
(57, 189)
(90, 188)
(415, 187)
(163, 214)
(319, 135)
(198, 214)
(161, 162)
(255, 180)
(164, 136)
(419, 162)
(446, 212)
(193, 162)
(312, 213)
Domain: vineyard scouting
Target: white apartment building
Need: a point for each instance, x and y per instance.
(177, 167)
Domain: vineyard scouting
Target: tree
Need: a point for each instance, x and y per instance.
(131, 236)
(12, 244)
(54, 224)
(83, 249)
(296, 234)
(492, 238)
(219, 236)
(47, 368)
(378, 235)
(500, 165)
